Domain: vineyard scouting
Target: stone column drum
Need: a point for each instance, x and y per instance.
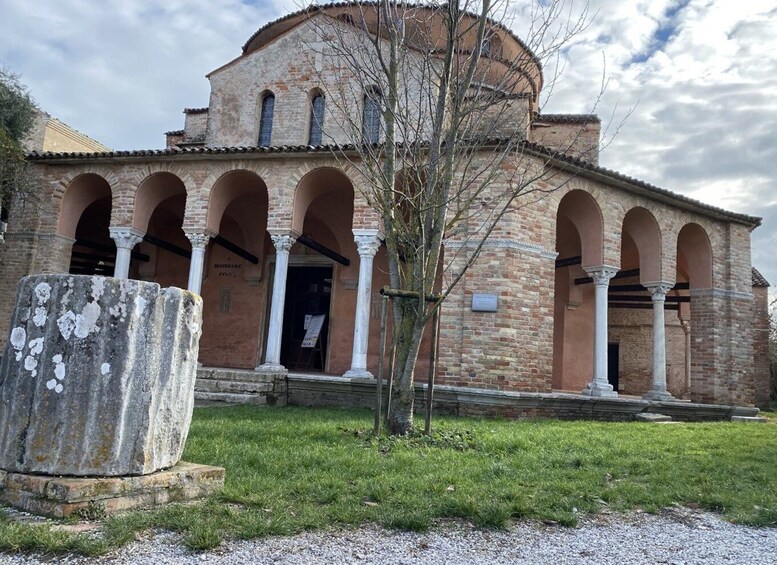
(97, 378)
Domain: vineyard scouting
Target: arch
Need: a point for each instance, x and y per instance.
(155, 189)
(642, 227)
(694, 255)
(317, 107)
(83, 191)
(266, 118)
(583, 211)
(230, 186)
(316, 183)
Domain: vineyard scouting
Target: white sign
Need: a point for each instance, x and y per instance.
(314, 329)
(484, 302)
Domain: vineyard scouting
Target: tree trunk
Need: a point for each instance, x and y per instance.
(408, 344)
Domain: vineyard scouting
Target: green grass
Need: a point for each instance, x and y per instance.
(295, 469)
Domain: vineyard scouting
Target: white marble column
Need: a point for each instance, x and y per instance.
(658, 388)
(367, 241)
(272, 357)
(599, 385)
(126, 239)
(197, 264)
(687, 331)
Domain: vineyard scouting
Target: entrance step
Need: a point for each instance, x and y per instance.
(240, 386)
(237, 387)
(652, 417)
(749, 419)
(228, 398)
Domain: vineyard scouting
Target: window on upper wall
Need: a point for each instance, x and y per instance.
(265, 121)
(317, 105)
(371, 119)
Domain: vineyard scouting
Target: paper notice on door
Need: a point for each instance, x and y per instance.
(314, 329)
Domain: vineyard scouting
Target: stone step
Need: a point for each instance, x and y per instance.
(749, 419)
(245, 376)
(227, 398)
(208, 385)
(652, 417)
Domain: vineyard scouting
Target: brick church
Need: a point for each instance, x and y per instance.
(606, 286)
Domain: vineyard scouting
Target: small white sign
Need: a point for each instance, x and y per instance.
(314, 329)
(484, 302)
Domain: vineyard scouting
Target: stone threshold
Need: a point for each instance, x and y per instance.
(60, 497)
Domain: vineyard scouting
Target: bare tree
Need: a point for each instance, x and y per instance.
(445, 95)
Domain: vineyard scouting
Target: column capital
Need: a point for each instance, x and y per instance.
(601, 274)
(658, 290)
(199, 240)
(126, 238)
(367, 241)
(283, 239)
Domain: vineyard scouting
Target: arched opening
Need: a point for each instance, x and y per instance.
(85, 215)
(232, 290)
(579, 243)
(323, 274)
(630, 314)
(165, 252)
(699, 313)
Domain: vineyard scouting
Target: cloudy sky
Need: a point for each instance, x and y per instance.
(699, 76)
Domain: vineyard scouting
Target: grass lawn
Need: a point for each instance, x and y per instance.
(294, 469)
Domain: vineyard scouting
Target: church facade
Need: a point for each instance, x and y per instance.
(606, 284)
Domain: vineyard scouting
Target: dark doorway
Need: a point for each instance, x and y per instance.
(308, 293)
(613, 356)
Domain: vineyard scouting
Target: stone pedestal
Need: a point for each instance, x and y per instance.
(97, 378)
(60, 497)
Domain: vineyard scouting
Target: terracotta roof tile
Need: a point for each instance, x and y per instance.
(175, 132)
(759, 280)
(195, 110)
(567, 118)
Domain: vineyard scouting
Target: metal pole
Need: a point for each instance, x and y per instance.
(379, 377)
(432, 371)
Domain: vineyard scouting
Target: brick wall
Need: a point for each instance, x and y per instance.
(761, 346)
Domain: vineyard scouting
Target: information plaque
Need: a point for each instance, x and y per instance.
(484, 302)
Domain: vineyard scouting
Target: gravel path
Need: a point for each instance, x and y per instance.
(675, 536)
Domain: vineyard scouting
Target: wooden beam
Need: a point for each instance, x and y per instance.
(93, 257)
(641, 306)
(632, 298)
(236, 249)
(167, 246)
(568, 262)
(620, 275)
(323, 250)
(110, 249)
(640, 288)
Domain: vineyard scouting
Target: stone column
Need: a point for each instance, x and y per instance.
(658, 388)
(126, 239)
(687, 330)
(197, 264)
(599, 385)
(272, 357)
(367, 241)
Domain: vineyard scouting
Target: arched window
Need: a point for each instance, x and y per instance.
(265, 121)
(316, 119)
(371, 118)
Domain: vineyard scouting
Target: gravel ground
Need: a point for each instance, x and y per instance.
(674, 536)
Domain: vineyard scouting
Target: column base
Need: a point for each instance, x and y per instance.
(599, 390)
(358, 374)
(657, 395)
(272, 368)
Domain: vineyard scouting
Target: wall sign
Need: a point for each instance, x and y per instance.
(484, 302)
